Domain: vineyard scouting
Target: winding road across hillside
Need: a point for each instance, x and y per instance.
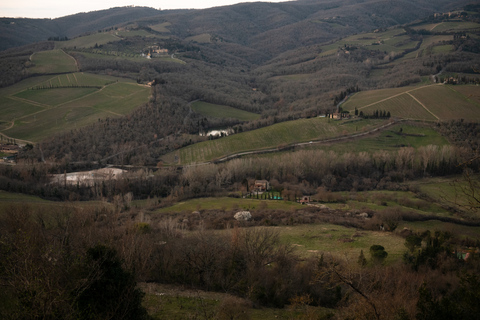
(291, 146)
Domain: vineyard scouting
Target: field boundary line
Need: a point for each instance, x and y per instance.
(75, 60)
(35, 103)
(424, 107)
(395, 95)
(16, 139)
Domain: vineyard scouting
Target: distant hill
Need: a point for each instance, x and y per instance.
(268, 27)
(19, 31)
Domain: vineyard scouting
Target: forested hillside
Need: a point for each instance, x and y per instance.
(21, 31)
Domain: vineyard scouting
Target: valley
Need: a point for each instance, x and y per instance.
(343, 183)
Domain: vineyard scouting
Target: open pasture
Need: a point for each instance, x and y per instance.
(227, 203)
(222, 111)
(315, 239)
(269, 137)
(53, 61)
(449, 191)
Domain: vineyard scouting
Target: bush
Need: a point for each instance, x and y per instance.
(378, 253)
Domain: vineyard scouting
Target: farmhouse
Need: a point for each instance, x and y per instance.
(261, 186)
(339, 116)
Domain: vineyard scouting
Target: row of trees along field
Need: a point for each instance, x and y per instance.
(84, 263)
(300, 172)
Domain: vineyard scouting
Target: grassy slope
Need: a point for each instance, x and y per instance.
(302, 130)
(41, 113)
(88, 41)
(54, 61)
(429, 102)
(389, 140)
(222, 111)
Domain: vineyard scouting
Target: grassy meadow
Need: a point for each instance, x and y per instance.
(226, 203)
(222, 111)
(171, 302)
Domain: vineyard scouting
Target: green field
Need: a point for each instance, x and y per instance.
(40, 113)
(75, 79)
(201, 38)
(455, 26)
(137, 33)
(88, 41)
(431, 102)
(393, 40)
(279, 134)
(447, 103)
(388, 140)
(9, 199)
(54, 61)
(162, 27)
(178, 303)
(228, 204)
(221, 111)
